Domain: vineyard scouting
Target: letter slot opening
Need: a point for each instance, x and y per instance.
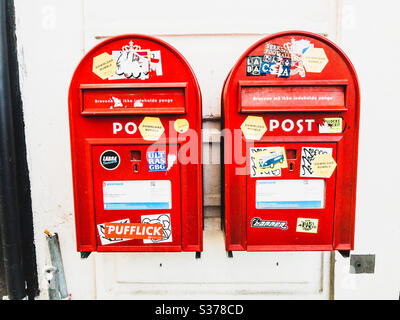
(163, 98)
(272, 98)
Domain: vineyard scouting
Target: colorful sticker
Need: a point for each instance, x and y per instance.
(253, 128)
(165, 221)
(293, 57)
(104, 65)
(133, 231)
(103, 239)
(331, 125)
(151, 128)
(323, 165)
(267, 161)
(134, 62)
(157, 161)
(260, 223)
(308, 155)
(181, 125)
(307, 225)
(109, 160)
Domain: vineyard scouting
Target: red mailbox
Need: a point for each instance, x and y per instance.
(291, 118)
(135, 113)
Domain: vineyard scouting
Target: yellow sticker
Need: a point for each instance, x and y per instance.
(314, 60)
(323, 165)
(181, 125)
(307, 225)
(104, 65)
(253, 128)
(151, 128)
(265, 161)
(331, 125)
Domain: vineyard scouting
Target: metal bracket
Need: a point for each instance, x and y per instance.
(85, 254)
(362, 263)
(198, 254)
(230, 254)
(344, 253)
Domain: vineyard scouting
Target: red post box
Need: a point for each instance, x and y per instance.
(290, 171)
(135, 113)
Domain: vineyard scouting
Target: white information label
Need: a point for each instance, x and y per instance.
(137, 194)
(290, 194)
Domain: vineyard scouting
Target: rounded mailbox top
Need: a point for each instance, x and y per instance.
(296, 57)
(135, 62)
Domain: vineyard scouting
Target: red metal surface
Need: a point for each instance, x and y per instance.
(169, 91)
(291, 125)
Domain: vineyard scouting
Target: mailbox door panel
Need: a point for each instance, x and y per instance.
(137, 184)
(289, 207)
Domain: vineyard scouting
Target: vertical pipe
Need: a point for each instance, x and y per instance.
(56, 261)
(9, 211)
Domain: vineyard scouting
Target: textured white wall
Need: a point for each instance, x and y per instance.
(52, 37)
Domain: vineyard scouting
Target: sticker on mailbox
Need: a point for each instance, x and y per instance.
(260, 223)
(162, 219)
(133, 230)
(109, 160)
(317, 162)
(135, 62)
(151, 128)
(307, 225)
(104, 240)
(267, 161)
(157, 161)
(331, 125)
(297, 56)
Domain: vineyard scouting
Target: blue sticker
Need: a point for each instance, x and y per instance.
(284, 69)
(157, 161)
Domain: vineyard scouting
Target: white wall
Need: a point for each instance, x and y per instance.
(53, 35)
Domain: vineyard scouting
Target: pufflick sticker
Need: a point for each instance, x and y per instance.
(260, 223)
(307, 225)
(133, 231)
(105, 240)
(159, 219)
(317, 162)
(267, 161)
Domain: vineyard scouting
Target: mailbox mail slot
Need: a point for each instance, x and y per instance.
(290, 178)
(292, 98)
(134, 103)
